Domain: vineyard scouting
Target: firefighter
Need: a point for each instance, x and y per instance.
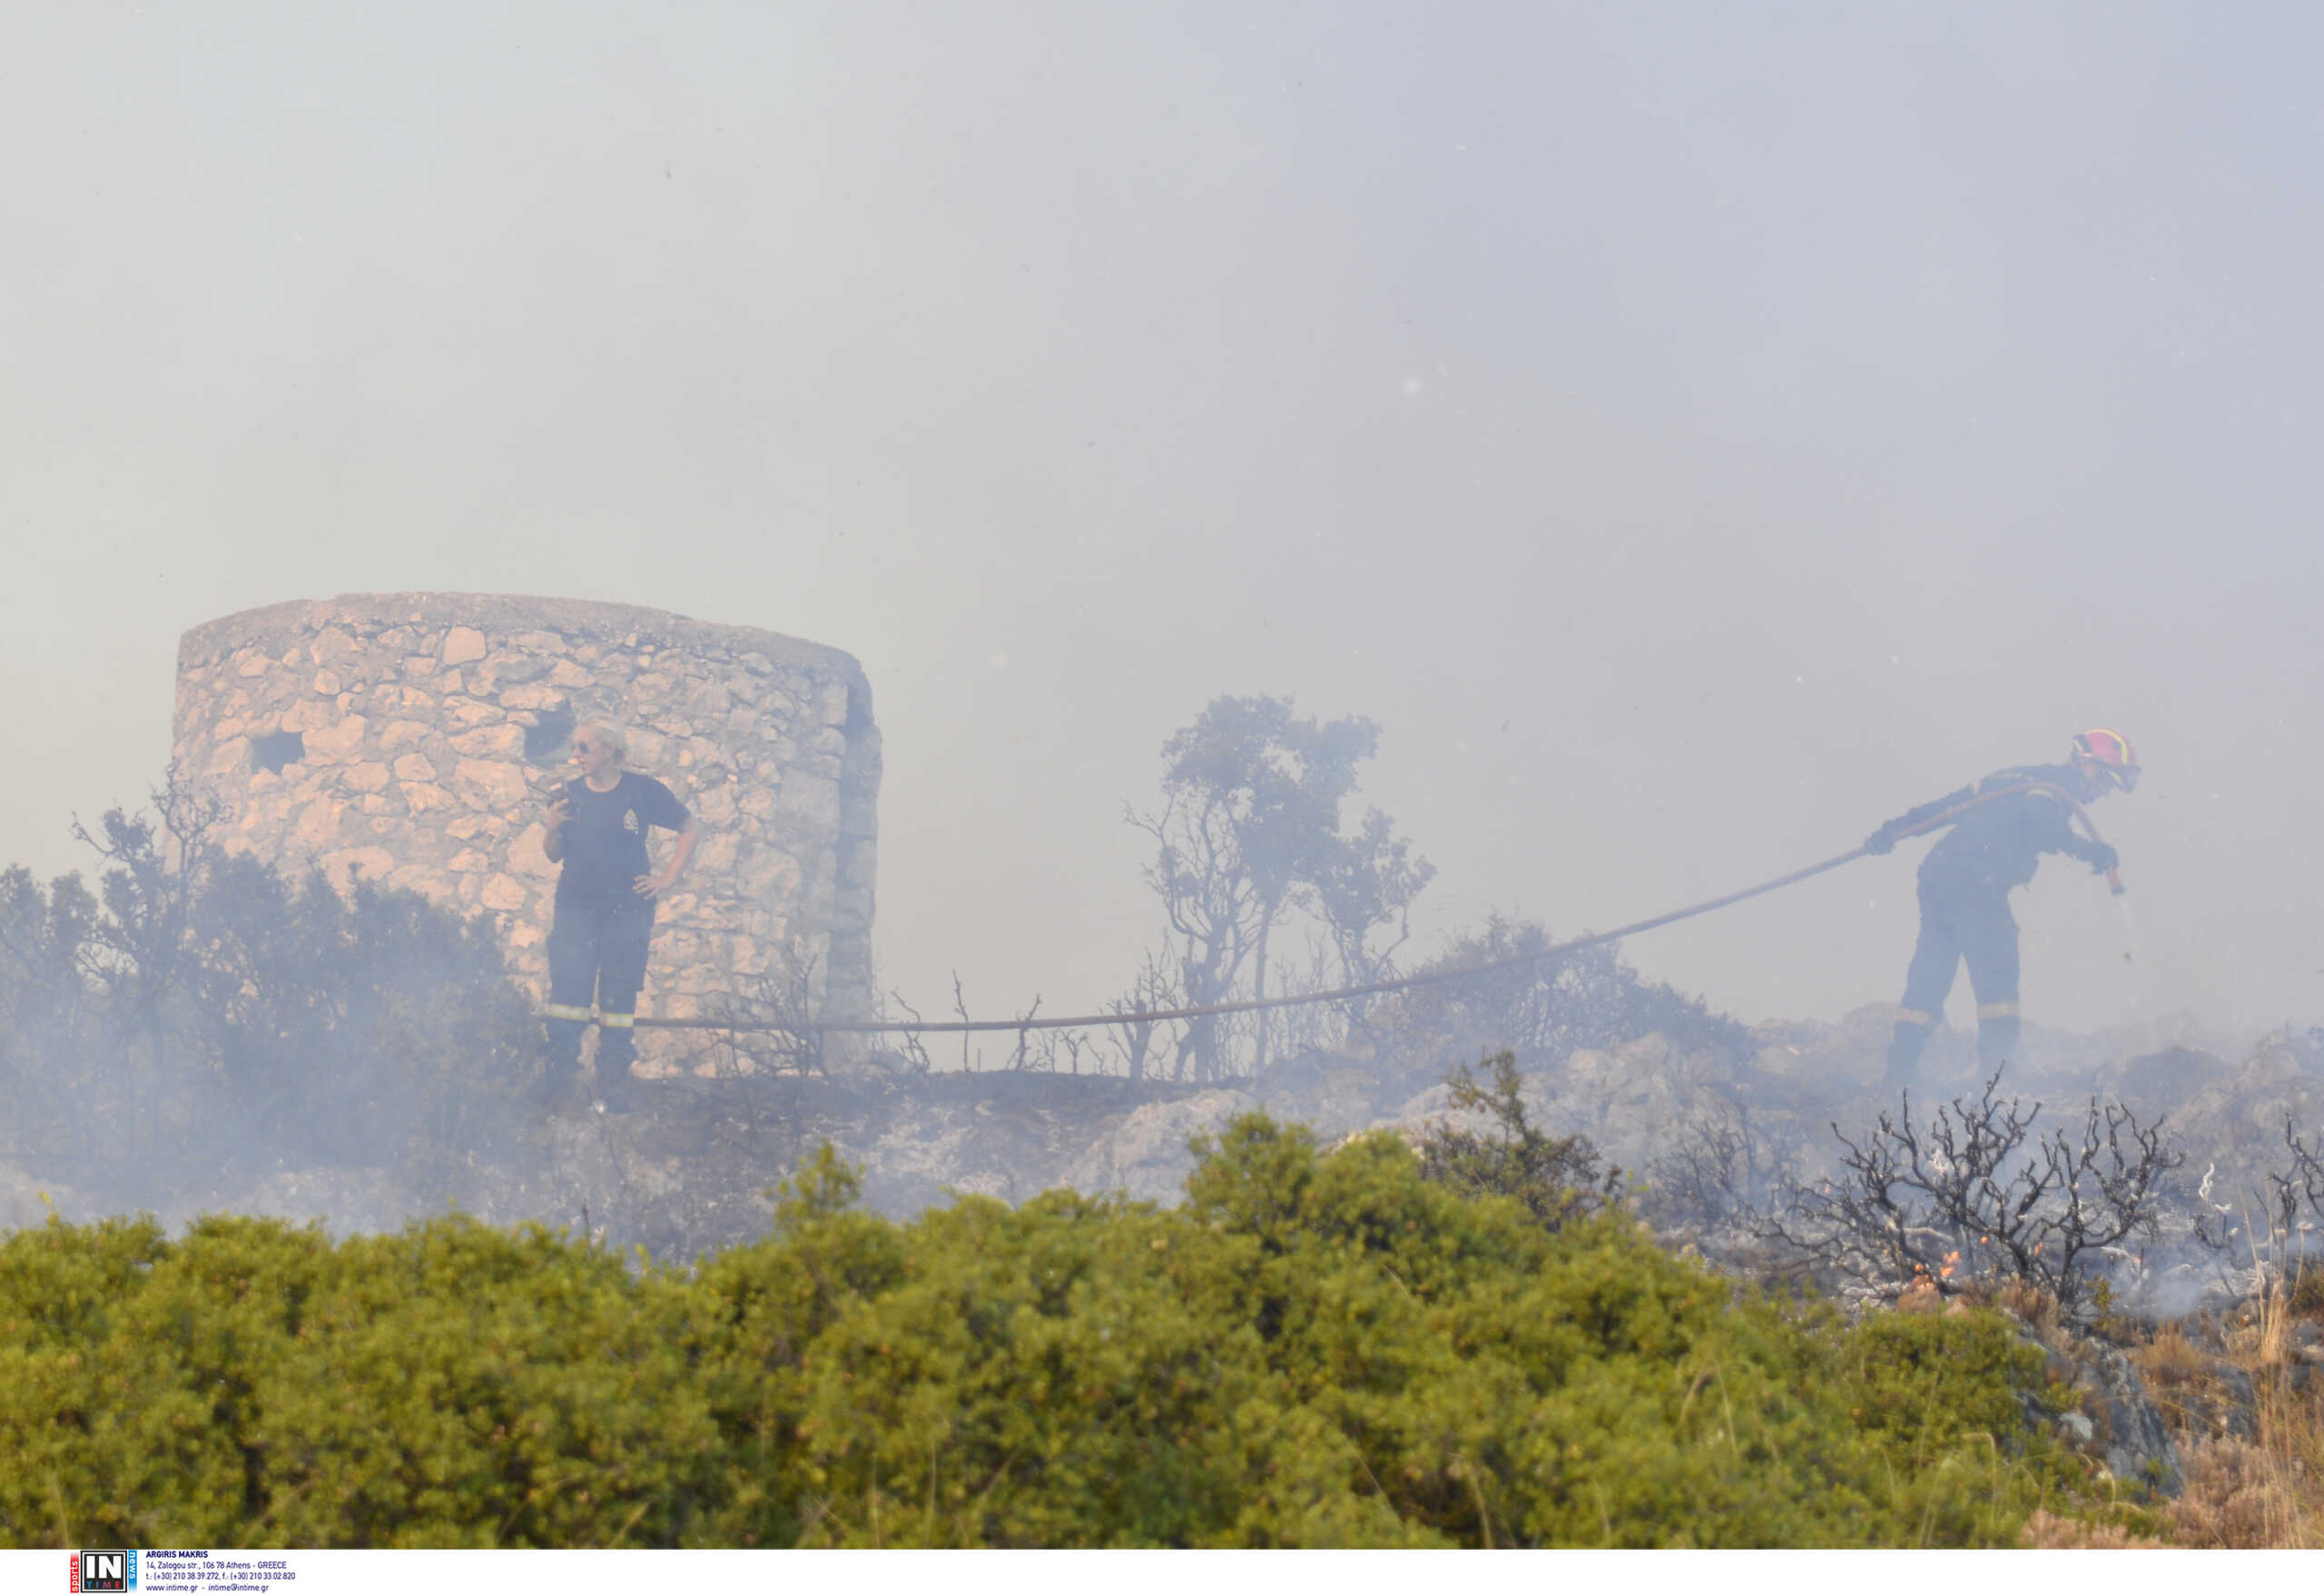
(1966, 882)
(606, 897)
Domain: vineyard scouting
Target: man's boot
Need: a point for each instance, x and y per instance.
(2000, 1034)
(561, 1060)
(615, 1085)
(1904, 1046)
(558, 1086)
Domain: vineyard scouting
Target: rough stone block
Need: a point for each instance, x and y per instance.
(319, 823)
(810, 800)
(490, 742)
(429, 883)
(709, 702)
(463, 644)
(527, 855)
(506, 670)
(370, 776)
(499, 784)
(336, 744)
(769, 876)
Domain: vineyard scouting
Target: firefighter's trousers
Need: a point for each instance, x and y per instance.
(1962, 918)
(596, 949)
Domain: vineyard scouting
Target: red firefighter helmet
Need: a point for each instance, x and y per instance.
(2110, 753)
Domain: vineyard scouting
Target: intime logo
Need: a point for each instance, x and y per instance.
(104, 1571)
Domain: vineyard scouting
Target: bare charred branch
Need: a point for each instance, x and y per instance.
(1977, 1191)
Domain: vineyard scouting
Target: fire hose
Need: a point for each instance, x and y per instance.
(1396, 984)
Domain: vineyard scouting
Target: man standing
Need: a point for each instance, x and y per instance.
(2006, 823)
(605, 896)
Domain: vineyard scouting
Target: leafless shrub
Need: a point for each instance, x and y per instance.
(1154, 988)
(2304, 1182)
(1726, 1168)
(774, 1019)
(1976, 1192)
(910, 1047)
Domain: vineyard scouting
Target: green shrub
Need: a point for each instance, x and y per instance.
(1313, 1351)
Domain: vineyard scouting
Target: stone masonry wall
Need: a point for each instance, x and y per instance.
(415, 739)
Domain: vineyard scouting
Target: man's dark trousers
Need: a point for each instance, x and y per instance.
(600, 949)
(1962, 918)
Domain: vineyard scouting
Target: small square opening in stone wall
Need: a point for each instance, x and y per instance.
(544, 740)
(277, 749)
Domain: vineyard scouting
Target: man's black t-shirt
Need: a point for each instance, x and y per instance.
(604, 838)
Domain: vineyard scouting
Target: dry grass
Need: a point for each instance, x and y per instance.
(2265, 1492)
(2029, 1303)
(2046, 1532)
(2171, 1359)
(2275, 1328)
(2242, 1496)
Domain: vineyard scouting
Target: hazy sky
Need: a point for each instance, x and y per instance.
(1693, 432)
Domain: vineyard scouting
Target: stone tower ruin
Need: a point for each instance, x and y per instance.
(416, 738)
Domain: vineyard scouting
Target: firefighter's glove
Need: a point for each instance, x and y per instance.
(1883, 841)
(2102, 857)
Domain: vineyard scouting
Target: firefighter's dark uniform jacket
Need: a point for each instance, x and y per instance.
(1964, 886)
(596, 945)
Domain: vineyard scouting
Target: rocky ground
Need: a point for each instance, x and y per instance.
(691, 1169)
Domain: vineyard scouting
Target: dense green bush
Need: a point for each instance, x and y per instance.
(1556, 1178)
(1314, 1350)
